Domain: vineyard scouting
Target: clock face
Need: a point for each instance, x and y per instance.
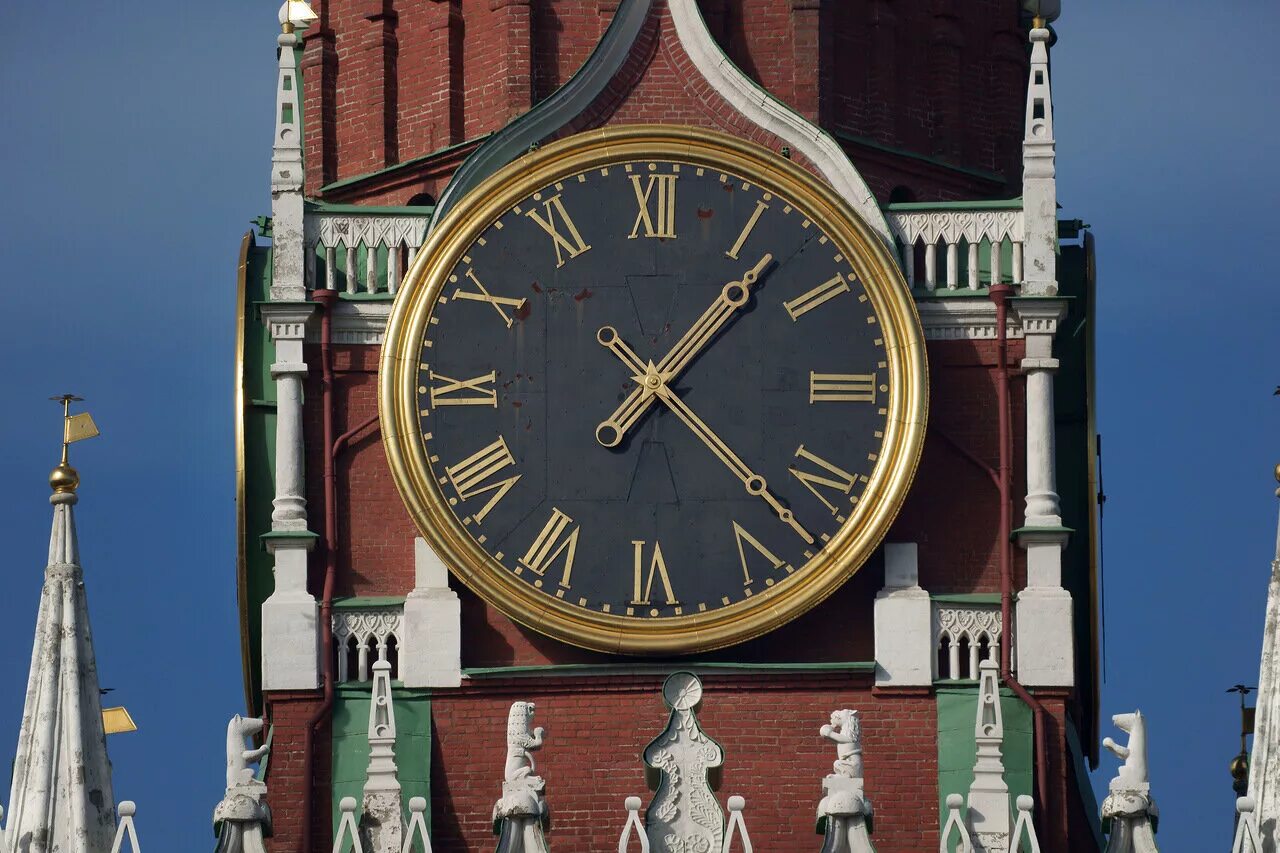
(653, 392)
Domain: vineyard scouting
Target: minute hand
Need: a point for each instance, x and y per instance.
(732, 297)
(751, 481)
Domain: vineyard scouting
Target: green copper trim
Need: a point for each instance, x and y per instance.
(608, 669)
(377, 296)
(370, 210)
(370, 602)
(865, 142)
(399, 167)
(923, 206)
(966, 597)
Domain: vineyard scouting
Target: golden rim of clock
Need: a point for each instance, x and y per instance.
(846, 551)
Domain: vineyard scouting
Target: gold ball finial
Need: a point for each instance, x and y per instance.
(1278, 472)
(64, 479)
(1239, 767)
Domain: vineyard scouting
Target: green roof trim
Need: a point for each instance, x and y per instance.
(608, 669)
(404, 165)
(367, 602)
(921, 206)
(966, 597)
(423, 210)
(866, 142)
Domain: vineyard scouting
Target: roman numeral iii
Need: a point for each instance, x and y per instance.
(499, 303)
(806, 302)
(555, 539)
(661, 221)
(827, 476)
(657, 565)
(556, 217)
(469, 477)
(464, 392)
(842, 387)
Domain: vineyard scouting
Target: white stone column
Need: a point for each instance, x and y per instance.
(1045, 650)
(432, 654)
(903, 622)
(290, 616)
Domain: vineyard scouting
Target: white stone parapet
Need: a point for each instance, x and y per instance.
(964, 637)
(364, 638)
(356, 252)
(951, 228)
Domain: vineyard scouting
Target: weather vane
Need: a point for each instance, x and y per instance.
(75, 427)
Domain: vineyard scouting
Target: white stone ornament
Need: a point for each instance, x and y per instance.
(381, 830)
(1129, 814)
(521, 815)
(242, 819)
(844, 813)
(683, 816)
(989, 793)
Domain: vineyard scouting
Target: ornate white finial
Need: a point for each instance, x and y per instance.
(1039, 186)
(737, 826)
(1264, 760)
(522, 809)
(989, 794)
(380, 821)
(417, 827)
(242, 818)
(1025, 828)
(955, 836)
(846, 730)
(347, 839)
(296, 14)
(1129, 802)
(1133, 772)
(683, 814)
(632, 826)
(844, 812)
(126, 829)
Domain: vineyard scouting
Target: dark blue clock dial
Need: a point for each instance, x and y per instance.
(653, 390)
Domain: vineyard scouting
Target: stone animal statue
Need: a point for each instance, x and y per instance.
(521, 741)
(238, 758)
(846, 730)
(1133, 773)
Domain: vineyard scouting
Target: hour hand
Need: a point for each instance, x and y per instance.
(611, 431)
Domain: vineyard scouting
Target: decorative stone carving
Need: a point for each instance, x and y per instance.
(1248, 839)
(521, 815)
(1129, 814)
(242, 819)
(989, 793)
(844, 813)
(632, 827)
(955, 835)
(684, 816)
(958, 628)
(372, 631)
(381, 830)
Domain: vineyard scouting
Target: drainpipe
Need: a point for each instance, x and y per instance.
(326, 299)
(1000, 294)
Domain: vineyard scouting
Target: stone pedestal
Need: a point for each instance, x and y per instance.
(290, 619)
(1044, 613)
(844, 816)
(242, 819)
(432, 625)
(520, 816)
(903, 622)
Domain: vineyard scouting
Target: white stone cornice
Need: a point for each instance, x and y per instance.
(357, 323)
(1039, 316)
(761, 108)
(962, 319)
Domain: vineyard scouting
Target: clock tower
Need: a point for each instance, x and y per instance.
(593, 342)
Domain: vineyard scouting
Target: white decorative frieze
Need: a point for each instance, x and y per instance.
(964, 637)
(962, 319)
(362, 638)
(951, 230)
(361, 252)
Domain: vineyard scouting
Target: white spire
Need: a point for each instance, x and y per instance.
(61, 797)
(1039, 186)
(287, 271)
(989, 794)
(1264, 762)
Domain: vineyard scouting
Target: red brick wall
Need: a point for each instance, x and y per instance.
(287, 715)
(385, 87)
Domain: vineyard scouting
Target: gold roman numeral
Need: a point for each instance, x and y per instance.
(806, 302)
(657, 565)
(662, 223)
(740, 534)
(556, 215)
(842, 387)
(499, 303)
(468, 476)
(463, 392)
(761, 207)
(839, 479)
(550, 544)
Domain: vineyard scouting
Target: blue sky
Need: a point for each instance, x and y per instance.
(136, 147)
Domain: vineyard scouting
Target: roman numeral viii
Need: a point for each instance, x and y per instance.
(658, 566)
(827, 476)
(464, 392)
(557, 217)
(842, 387)
(553, 540)
(470, 477)
(661, 222)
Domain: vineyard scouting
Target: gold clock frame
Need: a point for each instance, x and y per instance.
(847, 550)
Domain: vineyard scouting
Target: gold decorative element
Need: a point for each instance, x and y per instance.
(868, 519)
(64, 479)
(117, 721)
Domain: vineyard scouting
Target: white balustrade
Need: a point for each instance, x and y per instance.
(964, 636)
(978, 231)
(361, 252)
(365, 636)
